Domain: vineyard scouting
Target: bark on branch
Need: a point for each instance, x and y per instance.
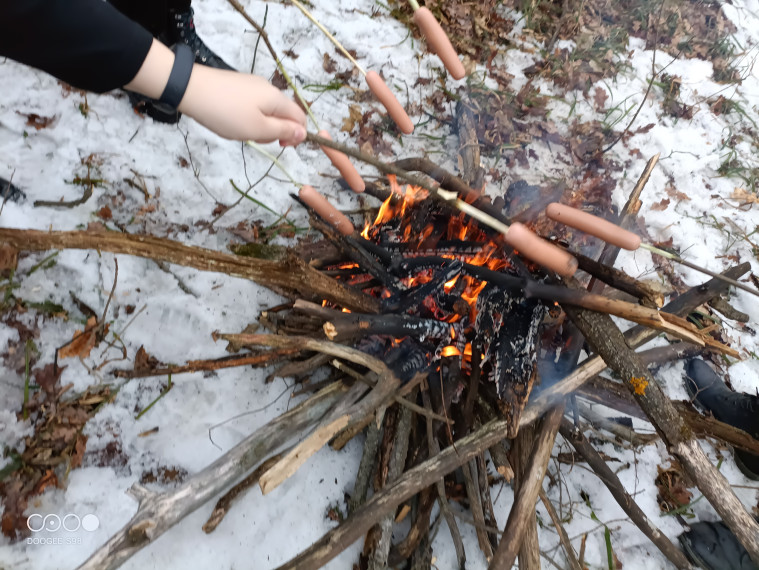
(289, 273)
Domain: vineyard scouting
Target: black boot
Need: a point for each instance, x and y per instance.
(711, 546)
(10, 192)
(181, 29)
(737, 409)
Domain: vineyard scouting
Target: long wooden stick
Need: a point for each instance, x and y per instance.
(158, 512)
(628, 504)
(259, 359)
(523, 509)
(569, 551)
(288, 273)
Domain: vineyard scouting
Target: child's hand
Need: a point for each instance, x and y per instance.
(233, 105)
(242, 107)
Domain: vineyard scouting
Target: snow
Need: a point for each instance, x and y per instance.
(176, 326)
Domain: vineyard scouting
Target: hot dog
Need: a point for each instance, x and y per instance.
(385, 96)
(326, 210)
(593, 225)
(344, 165)
(438, 41)
(540, 251)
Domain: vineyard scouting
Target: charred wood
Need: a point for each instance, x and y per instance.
(621, 281)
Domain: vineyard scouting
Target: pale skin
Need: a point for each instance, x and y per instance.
(234, 105)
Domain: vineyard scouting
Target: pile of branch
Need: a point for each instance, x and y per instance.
(418, 450)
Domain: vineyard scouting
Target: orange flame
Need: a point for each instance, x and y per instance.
(450, 350)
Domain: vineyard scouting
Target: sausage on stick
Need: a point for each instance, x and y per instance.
(326, 211)
(438, 40)
(376, 84)
(620, 237)
(344, 165)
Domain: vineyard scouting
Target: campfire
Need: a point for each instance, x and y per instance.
(447, 330)
(441, 315)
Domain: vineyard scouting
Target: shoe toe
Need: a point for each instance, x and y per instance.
(10, 192)
(712, 546)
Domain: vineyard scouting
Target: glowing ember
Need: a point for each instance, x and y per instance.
(450, 351)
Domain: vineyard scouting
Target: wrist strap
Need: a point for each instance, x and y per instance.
(175, 88)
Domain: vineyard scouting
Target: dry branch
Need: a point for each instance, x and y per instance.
(523, 510)
(397, 463)
(265, 358)
(434, 449)
(620, 280)
(287, 274)
(604, 336)
(475, 505)
(628, 504)
(158, 512)
(528, 546)
(574, 564)
(225, 503)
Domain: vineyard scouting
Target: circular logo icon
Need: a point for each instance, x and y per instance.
(70, 522)
(90, 523)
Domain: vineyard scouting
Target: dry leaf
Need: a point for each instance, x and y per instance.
(599, 98)
(82, 343)
(79, 448)
(104, 213)
(279, 81)
(47, 378)
(37, 121)
(353, 118)
(660, 206)
(328, 64)
(744, 196)
(143, 361)
(672, 192)
(673, 488)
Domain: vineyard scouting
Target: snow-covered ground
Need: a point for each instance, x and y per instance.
(187, 170)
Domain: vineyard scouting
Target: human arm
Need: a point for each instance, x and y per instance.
(91, 45)
(87, 43)
(233, 105)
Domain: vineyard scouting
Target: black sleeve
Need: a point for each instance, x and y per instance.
(87, 43)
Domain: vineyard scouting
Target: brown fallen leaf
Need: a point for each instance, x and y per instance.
(328, 64)
(673, 488)
(104, 213)
(744, 196)
(279, 81)
(673, 192)
(660, 206)
(144, 361)
(37, 121)
(48, 377)
(79, 448)
(353, 118)
(82, 343)
(599, 98)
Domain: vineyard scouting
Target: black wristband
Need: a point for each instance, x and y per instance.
(175, 88)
